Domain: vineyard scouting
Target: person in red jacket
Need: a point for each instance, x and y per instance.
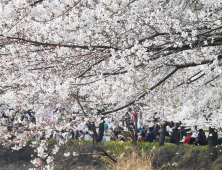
(186, 141)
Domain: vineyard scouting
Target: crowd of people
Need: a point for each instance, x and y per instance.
(197, 138)
(191, 137)
(153, 133)
(113, 130)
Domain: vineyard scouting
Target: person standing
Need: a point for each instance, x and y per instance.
(107, 120)
(141, 127)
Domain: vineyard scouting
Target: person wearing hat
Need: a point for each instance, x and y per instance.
(186, 141)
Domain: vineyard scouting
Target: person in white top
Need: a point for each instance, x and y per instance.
(88, 136)
(108, 120)
(141, 122)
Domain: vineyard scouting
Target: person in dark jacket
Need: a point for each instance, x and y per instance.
(219, 141)
(172, 139)
(201, 139)
(156, 127)
(193, 138)
(151, 135)
(157, 138)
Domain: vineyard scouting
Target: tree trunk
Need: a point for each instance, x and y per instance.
(94, 132)
(163, 132)
(162, 135)
(101, 132)
(77, 135)
(182, 133)
(212, 139)
(176, 137)
(175, 133)
(127, 123)
(123, 122)
(136, 120)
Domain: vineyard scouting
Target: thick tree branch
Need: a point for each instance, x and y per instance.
(36, 2)
(143, 94)
(209, 31)
(177, 67)
(217, 41)
(59, 45)
(106, 154)
(94, 133)
(194, 64)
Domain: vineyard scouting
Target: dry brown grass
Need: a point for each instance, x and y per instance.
(132, 159)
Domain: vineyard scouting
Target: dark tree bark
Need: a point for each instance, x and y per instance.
(176, 137)
(127, 123)
(182, 132)
(101, 132)
(72, 133)
(213, 138)
(163, 132)
(175, 133)
(77, 135)
(136, 120)
(94, 132)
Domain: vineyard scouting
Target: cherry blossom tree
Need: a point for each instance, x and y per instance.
(82, 54)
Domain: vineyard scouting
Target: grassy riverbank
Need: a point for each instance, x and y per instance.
(147, 154)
